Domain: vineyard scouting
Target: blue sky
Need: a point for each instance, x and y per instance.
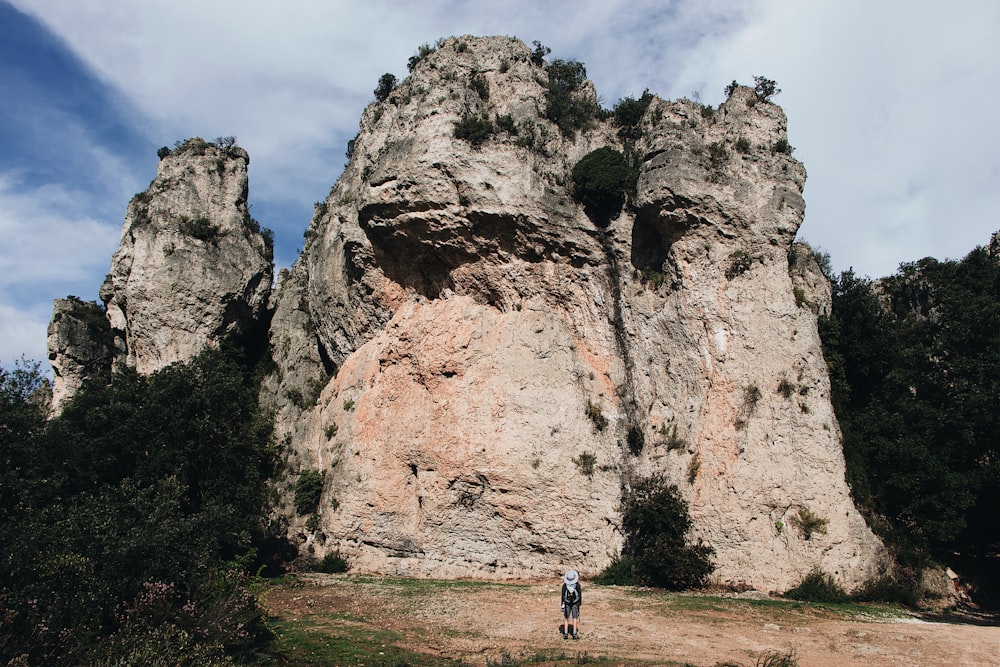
(891, 105)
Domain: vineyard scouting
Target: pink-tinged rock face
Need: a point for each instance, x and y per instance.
(471, 342)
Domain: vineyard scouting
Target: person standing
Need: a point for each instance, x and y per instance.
(571, 599)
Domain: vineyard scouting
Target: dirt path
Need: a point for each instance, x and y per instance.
(478, 621)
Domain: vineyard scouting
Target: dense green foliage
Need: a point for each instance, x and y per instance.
(628, 114)
(915, 368)
(655, 522)
(474, 129)
(817, 586)
(564, 105)
(308, 489)
(600, 180)
(386, 84)
(125, 520)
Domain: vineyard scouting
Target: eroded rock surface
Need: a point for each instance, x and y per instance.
(192, 266)
(467, 356)
(476, 367)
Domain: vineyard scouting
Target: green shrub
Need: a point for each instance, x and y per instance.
(538, 53)
(163, 152)
(765, 88)
(777, 659)
(718, 156)
(671, 439)
(740, 262)
(617, 573)
(596, 416)
(786, 388)
(808, 523)
(628, 114)
(474, 129)
(655, 522)
(308, 489)
(801, 301)
(423, 51)
(782, 146)
(505, 123)
(635, 439)
(817, 586)
(585, 462)
(332, 563)
(600, 180)
(743, 145)
(890, 589)
(386, 84)
(200, 228)
(563, 106)
(479, 86)
(694, 467)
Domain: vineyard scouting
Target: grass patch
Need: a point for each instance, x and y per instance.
(321, 641)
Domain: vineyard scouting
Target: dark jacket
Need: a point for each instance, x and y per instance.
(565, 592)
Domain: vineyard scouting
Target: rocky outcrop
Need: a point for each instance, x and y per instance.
(192, 268)
(477, 367)
(79, 343)
(192, 265)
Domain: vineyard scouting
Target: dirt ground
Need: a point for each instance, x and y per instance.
(479, 622)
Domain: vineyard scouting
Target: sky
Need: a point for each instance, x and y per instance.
(892, 106)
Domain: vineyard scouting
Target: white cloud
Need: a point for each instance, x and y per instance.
(44, 247)
(885, 104)
(47, 254)
(889, 103)
(23, 333)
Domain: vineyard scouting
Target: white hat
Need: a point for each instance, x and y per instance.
(571, 577)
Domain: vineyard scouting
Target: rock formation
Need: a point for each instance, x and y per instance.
(477, 367)
(79, 342)
(192, 267)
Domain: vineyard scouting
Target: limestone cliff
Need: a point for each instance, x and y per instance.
(476, 367)
(79, 343)
(192, 267)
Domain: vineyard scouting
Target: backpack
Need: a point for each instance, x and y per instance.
(572, 595)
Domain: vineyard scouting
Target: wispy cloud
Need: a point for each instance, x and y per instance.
(44, 248)
(46, 255)
(885, 104)
(888, 102)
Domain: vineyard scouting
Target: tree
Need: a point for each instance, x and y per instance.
(765, 88)
(628, 114)
(655, 522)
(600, 179)
(538, 53)
(386, 84)
(915, 367)
(563, 105)
(143, 490)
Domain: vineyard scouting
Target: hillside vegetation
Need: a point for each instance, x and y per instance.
(915, 367)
